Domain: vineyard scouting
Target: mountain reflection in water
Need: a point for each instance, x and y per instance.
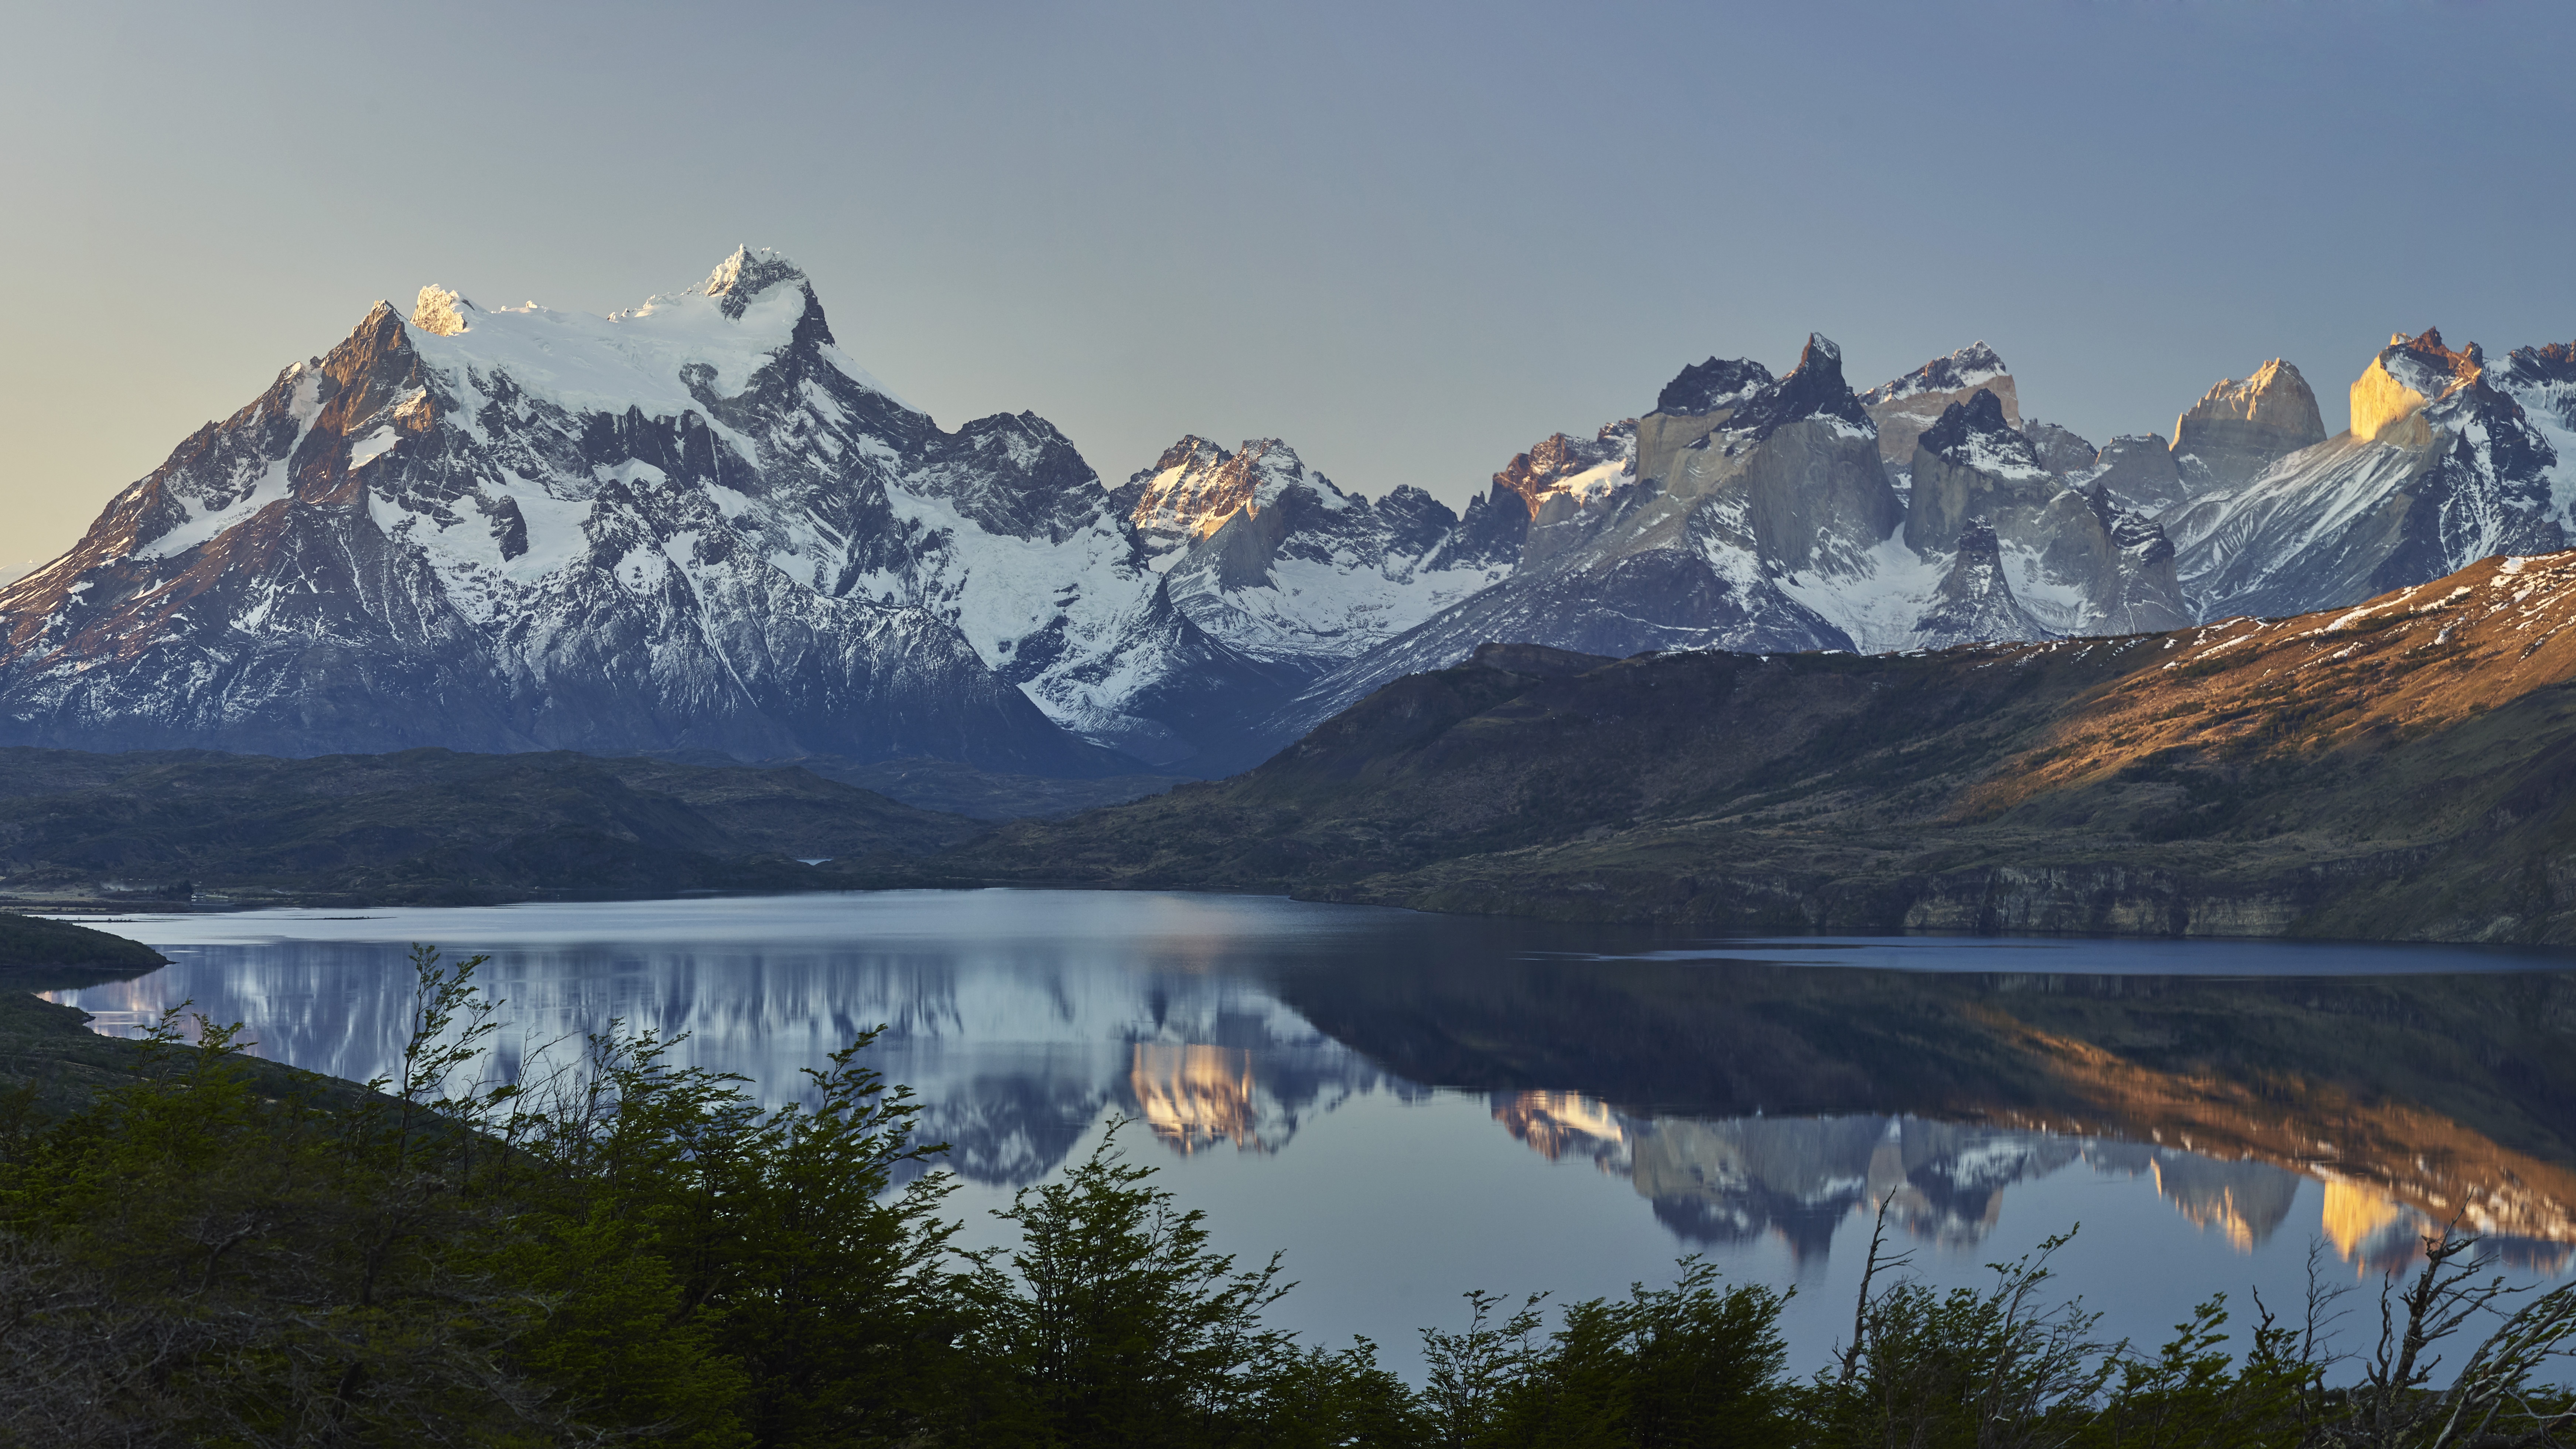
(1726, 1181)
(1753, 1106)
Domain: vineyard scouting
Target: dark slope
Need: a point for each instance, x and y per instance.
(28, 944)
(51, 1063)
(427, 825)
(2400, 771)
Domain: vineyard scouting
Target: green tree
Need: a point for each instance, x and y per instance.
(1691, 1364)
(2003, 1369)
(1115, 1323)
(726, 1273)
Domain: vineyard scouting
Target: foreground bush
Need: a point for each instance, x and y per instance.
(633, 1252)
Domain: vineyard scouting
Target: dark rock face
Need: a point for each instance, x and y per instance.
(2535, 367)
(1493, 529)
(1705, 387)
(1979, 424)
(1014, 475)
(1903, 407)
(1813, 389)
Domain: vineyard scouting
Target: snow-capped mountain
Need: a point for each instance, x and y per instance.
(696, 524)
(1271, 559)
(700, 525)
(1758, 514)
(1697, 540)
(2448, 461)
(526, 529)
(1903, 407)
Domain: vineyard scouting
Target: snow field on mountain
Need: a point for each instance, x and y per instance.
(1878, 602)
(243, 501)
(585, 363)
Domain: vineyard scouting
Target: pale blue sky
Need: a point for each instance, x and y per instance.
(1410, 239)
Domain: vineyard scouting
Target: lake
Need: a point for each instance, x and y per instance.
(1409, 1106)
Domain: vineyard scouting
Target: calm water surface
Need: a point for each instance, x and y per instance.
(1411, 1105)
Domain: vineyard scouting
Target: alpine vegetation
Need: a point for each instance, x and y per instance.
(630, 1252)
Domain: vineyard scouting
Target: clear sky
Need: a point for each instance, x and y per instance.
(1410, 239)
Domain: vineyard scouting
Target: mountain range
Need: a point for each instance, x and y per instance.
(2401, 770)
(699, 528)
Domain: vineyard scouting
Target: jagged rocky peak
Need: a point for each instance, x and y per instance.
(1565, 480)
(2138, 471)
(2544, 379)
(1973, 366)
(2447, 462)
(1196, 488)
(1813, 389)
(739, 279)
(2409, 373)
(2078, 561)
(2062, 451)
(1567, 487)
(1668, 443)
(1275, 565)
(1712, 386)
(1558, 463)
(1974, 601)
(1979, 434)
(1903, 407)
(2238, 429)
(440, 312)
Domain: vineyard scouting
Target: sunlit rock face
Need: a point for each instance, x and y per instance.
(2074, 562)
(2389, 397)
(1903, 407)
(1729, 1180)
(1271, 559)
(1540, 504)
(2448, 462)
(1194, 1097)
(2238, 429)
(1567, 488)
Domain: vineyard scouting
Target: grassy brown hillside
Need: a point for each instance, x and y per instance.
(2402, 770)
